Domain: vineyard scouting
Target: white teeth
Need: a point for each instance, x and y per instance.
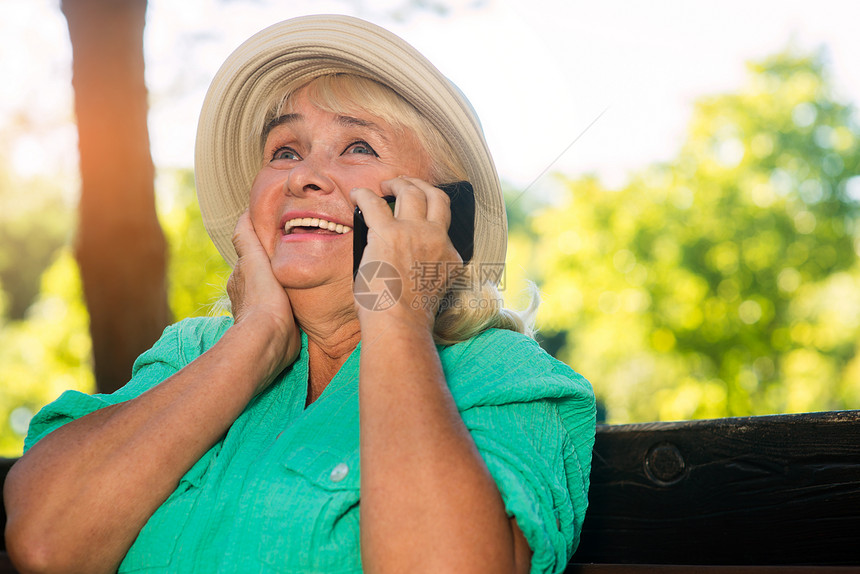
(316, 222)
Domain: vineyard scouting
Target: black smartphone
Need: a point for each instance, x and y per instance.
(461, 231)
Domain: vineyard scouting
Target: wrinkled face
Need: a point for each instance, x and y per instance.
(299, 201)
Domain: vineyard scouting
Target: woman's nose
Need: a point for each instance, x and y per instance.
(308, 177)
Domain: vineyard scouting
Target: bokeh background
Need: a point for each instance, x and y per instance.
(683, 182)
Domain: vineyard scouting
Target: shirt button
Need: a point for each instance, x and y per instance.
(339, 472)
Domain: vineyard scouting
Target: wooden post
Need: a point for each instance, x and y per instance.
(121, 249)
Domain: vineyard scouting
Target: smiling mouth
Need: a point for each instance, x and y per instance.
(314, 225)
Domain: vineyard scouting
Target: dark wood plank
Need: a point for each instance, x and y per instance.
(6, 566)
(700, 569)
(5, 465)
(781, 489)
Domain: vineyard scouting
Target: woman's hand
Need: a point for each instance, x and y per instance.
(414, 240)
(257, 296)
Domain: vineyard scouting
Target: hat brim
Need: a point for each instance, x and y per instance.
(299, 50)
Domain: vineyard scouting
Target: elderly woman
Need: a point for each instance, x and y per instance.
(312, 431)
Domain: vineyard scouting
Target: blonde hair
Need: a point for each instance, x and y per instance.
(477, 304)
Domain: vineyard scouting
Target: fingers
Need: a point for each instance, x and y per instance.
(252, 280)
(411, 199)
(428, 202)
(374, 209)
(416, 200)
(245, 239)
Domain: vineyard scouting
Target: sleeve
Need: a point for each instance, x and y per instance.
(532, 419)
(179, 344)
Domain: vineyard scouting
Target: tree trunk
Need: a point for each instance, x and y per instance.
(120, 248)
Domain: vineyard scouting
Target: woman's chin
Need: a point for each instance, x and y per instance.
(304, 268)
(311, 276)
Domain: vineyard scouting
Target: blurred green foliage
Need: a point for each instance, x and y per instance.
(197, 274)
(48, 349)
(34, 223)
(724, 282)
(45, 353)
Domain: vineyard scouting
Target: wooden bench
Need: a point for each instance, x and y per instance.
(755, 494)
(725, 495)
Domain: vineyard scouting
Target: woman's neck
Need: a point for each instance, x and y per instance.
(333, 334)
(323, 365)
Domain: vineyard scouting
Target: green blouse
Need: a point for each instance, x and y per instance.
(280, 491)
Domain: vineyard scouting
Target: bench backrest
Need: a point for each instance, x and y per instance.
(775, 490)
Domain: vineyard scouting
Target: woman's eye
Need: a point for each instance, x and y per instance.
(360, 148)
(285, 153)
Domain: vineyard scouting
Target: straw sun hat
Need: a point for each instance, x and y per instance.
(305, 48)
